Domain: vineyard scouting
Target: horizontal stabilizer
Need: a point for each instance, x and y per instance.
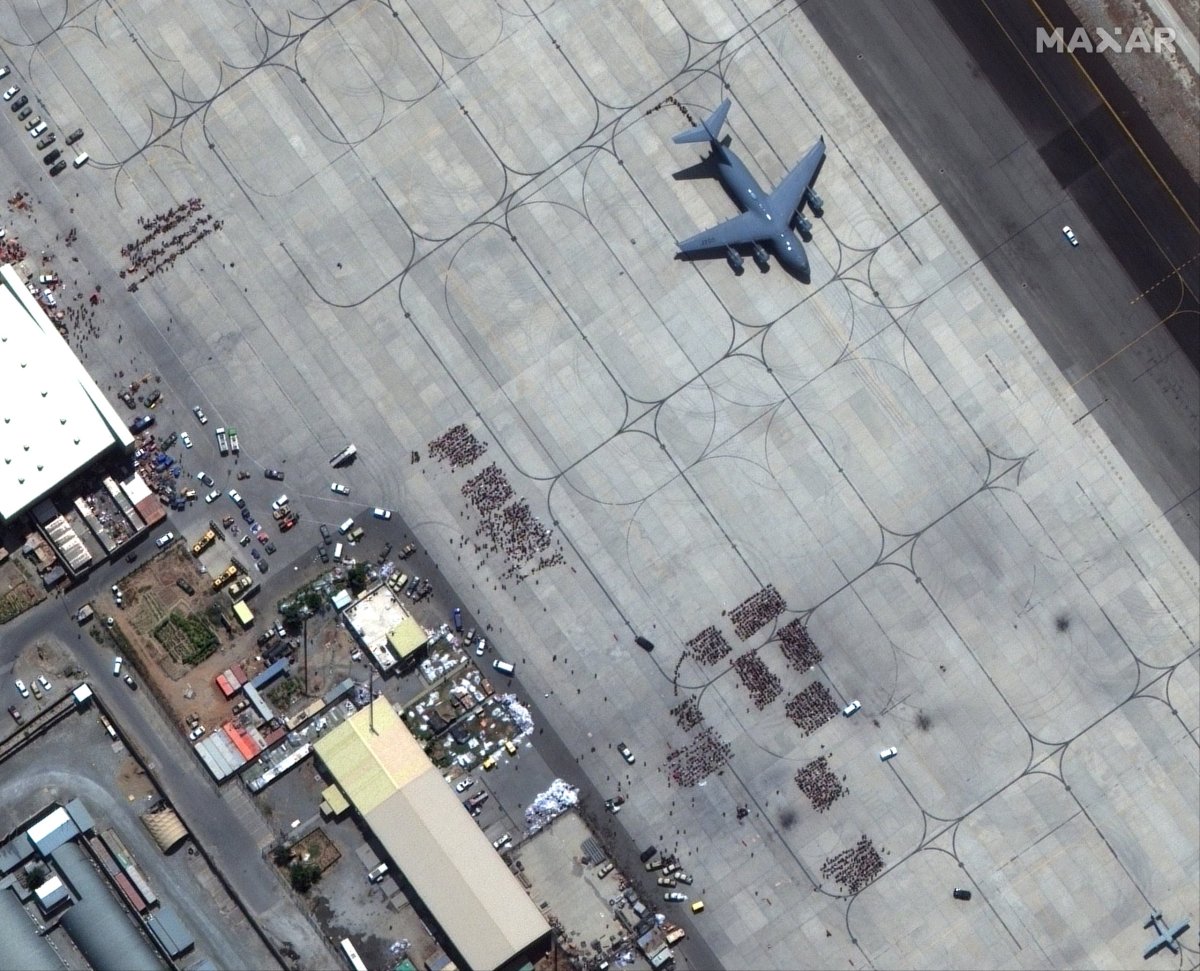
(708, 129)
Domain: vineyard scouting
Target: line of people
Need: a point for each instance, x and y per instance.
(705, 754)
(818, 782)
(798, 648)
(709, 646)
(458, 447)
(756, 611)
(762, 683)
(811, 708)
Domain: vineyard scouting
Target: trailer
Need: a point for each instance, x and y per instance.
(344, 455)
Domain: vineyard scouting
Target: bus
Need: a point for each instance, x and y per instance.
(352, 955)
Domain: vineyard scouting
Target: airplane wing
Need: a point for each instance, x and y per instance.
(786, 197)
(746, 227)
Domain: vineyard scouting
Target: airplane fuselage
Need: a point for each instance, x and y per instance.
(749, 196)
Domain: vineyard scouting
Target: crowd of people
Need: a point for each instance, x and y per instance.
(506, 524)
(709, 646)
(148, 259)
(489, 491)
(458, 447)
(818, 782)
(705, 754)
(854, 868)
(811, 708)
(762, 683)
(688, 714)
(756, 611)
(799, 650)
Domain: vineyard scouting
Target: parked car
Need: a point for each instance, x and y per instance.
(280, 502)
(71, 140)
(961, 894)
(205, 478)
(273, 474)
(4, 71)
(255, 553)
(24, 113)
(625, 753)
(381, 513)
(141, 423)
(164, 540)
(57, 168)
(270, 547)
(851, 708)
(213, 496)
(502, 842)
(44, 682)
(323, 552)
(129, 681)
(196, 732)
(51, 157)
(117, 665)
(16, 714)
(20, 103)
(186, 439)
(21, 689)
(200, 415)
(1071, 237)
(887, 753)
(46, 141)
(237, 498)
(675, 897)
(325, 535)
(11, 93)
(340, 489)
(262, 566)
(464, 784)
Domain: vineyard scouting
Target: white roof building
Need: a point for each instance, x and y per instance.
(54, 419)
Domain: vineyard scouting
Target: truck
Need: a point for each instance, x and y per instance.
(234, 447)
(84, 614)
(204, 542)
(222, 441)
(344, 455)
(223, 578)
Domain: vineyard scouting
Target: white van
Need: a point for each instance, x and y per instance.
(504, 668)
(377, 874)
(337, 552)
(81, 159)
(346, 527)
(117, 666)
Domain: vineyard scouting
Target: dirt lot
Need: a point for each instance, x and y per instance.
(153, 631)
(19, 589)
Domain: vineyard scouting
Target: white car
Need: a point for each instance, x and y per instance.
(464, 784)
(625, 753)
(675, 897)
(46, 685)
(237, 498)
(887, 753)
(11, 93)
(382, 513)
(200, 415)
(340, 489)
(280, 502)
(21, 689)
(205, 478)
(1071, 237)
(186, 439)
(502, 841)
(117, 665)
(4, 71)
(851, 708)
(196, 732)
(213, 496)
(481, 647)
(164, 540)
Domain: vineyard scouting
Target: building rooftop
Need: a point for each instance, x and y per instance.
(54, 419)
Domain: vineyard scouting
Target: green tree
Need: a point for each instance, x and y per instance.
(304, 876)
(281, 855)
(357, 577)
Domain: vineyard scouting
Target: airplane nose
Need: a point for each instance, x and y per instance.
(793, 259)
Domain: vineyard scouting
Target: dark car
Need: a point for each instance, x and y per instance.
(53, 157)
(262, 566)
(325, 534)
(246, 514)
(644, 643)
(270, 547)
(24, 113)
(142, 422)
(75, 136)
(255, 553)
(648, 853)
(20, 103)
(186, 587)
(45, 142)
(961, 894)
(274, 474)
(12, 710)
(58, 167)
(129, 681)
(205, 478)
(323, 553)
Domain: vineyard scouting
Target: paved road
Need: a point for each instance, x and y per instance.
(1016, 145)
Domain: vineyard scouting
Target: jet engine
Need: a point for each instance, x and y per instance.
(815, 202)
(735, 261)
(761, 257)
(803, 226)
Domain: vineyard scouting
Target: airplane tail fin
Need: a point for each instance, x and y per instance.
(708, 129)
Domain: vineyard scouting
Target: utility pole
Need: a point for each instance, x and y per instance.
(304, 637)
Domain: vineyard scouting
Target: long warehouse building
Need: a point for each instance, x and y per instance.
(436, 844)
